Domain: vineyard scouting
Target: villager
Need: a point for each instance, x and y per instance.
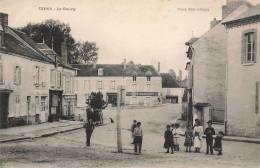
(132, 129)
(168, 139)
(188, 138)
(89, 127)
(138, 133)
(197, 133)
(176, 136)
(209, 132)
(218, 142)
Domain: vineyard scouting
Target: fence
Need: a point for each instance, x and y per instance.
(217, 116)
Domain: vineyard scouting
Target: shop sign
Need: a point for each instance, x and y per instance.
(141, 93)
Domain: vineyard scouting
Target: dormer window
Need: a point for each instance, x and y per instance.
(134, 77)
(100, 72)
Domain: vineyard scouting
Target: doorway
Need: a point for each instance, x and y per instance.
(4, 99)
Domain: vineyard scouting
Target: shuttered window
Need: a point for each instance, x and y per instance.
(248, 46)
(53, 78)
(17, 75)
(59, 79)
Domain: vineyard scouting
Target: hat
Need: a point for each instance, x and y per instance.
(209, 122)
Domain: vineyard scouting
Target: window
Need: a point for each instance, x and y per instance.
(148, 87)
(134, 87)
(43, 103)
(1, 74)
(68, 82)
(100, 72)
(59, 79)
(37, 75)
(53, 78)
(147, 100)
(148, 78)
(134, 77)
(17, 106)
(99, 85)
(86, 84)
(76, 85)
(37, 107)
(248, 46)
(17, 75)
(71, 85)
(112, 85)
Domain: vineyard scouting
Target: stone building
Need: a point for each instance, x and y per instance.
(243, 78)
(207, 68)
(142, 83)
(26, 70)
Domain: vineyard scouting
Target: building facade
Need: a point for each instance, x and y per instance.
(142, 83)
(243, 93)
(207, 68)
(27, 78)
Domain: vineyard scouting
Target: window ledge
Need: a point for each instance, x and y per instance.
(248, 64)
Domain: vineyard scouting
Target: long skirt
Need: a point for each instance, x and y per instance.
(168, 143)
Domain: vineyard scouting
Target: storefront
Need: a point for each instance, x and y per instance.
(68, 106)
(55, 103)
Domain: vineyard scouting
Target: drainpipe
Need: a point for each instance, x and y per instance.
(226, 82)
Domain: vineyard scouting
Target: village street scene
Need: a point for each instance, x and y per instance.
(130, 83)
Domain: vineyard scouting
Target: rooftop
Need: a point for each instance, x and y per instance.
(168, 81)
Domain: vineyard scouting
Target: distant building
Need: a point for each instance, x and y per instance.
(28, 78)
(172, 92)
(243, 77)
(207, 68)
(143, 84)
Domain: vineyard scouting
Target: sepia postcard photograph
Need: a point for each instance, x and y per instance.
(130, 83)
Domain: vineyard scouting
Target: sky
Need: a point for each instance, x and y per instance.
(144, 31)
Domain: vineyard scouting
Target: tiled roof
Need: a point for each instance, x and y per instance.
(115, 70)
(168, 81)
(45, 49)
(254, 11)
(13, 45)
(192, 40)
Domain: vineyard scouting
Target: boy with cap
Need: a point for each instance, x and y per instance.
(209, 132)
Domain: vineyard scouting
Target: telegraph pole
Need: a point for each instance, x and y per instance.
(120, 101)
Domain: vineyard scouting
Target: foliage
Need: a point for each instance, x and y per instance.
(185, 95)
(52, 31)
(96, 101)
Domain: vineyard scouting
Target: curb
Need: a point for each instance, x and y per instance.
(43, 135)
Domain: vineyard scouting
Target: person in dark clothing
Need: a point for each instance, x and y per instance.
(168, 139)
(138, 134)
(89, 127)
(133, 128)
(218, 143)
(209, 132)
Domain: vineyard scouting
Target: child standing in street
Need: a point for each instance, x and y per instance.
(168, 139)
(132, 129)
(188, 138)
(197, 132)
(138, 134)
(176, 136)
(209, 132)
(218, 143)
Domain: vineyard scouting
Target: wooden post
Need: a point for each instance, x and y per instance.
(118, 121)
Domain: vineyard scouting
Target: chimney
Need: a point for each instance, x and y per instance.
(214, 22)
(180, 75)
(64, 48)
(124, 64)
(4, 20)
(159, 67)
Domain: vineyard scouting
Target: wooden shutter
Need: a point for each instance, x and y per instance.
(255, 44)
(243, 47)
(19, 76)
(1, 73)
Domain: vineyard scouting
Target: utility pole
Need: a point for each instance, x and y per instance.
(120, 101)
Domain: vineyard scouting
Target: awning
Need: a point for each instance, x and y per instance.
(199, 105)
(171, 96)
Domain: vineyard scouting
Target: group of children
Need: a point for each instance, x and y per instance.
(193, 137)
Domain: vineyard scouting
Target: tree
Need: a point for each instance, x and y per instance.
(172, 73)
(97, 103)
(52, 31)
